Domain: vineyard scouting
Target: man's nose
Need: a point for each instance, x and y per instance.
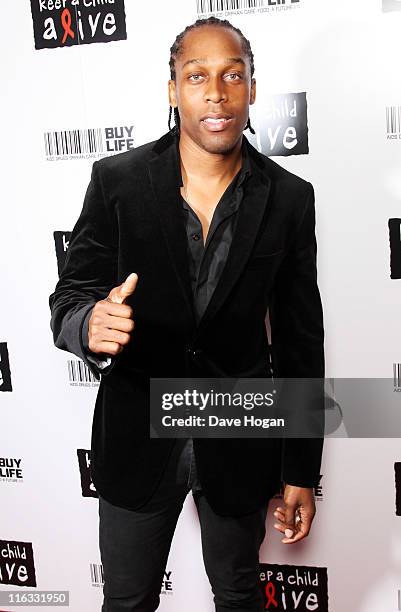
(215, 91)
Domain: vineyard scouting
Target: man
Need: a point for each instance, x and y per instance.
(181, 247)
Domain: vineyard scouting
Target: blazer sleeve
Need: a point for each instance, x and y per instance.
(89, 273)
(297, 333)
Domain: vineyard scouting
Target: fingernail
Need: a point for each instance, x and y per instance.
(288, 533)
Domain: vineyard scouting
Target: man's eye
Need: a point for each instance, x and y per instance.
(234, 77)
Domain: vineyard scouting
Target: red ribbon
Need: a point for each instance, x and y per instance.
(66, 21)
(270, 591)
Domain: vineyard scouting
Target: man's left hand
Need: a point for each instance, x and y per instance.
(297, 514)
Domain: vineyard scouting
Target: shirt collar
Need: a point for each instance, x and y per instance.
(244, 172)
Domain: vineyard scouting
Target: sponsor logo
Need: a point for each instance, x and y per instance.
(61, 242)
(97, 579)
(5, 372)
(394, 227)
(84, 462)
(10, 469)
(224, 8)
(90, 143)
(97, 576)
(79, 375)
(397, 377)
(167, 584)
(397, 474)
(283, 125)
(65, 23)
(16, 563)
(393, 122)
(290, 587)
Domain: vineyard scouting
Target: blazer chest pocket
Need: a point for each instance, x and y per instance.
(263, 260)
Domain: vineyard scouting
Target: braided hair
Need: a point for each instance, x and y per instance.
(176, 49)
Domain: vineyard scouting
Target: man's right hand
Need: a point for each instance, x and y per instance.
(111, 320)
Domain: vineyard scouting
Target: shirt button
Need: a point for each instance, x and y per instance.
(193, 352)
(195, 237)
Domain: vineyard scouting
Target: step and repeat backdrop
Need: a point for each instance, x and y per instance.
(84, 79)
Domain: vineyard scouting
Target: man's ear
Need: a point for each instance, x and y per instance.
(171, 93)
(252, 96)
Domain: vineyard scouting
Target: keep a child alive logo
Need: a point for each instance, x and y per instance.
(84, 462)
(394, 226)
(283, 125)
(5, 373)
(16, 563)
(290, 587)
(64, 23)
(61, 241)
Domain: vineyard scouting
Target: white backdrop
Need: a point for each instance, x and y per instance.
(345, 56)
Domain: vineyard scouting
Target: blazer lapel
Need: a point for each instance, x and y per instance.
(250, 215)
(165, 175)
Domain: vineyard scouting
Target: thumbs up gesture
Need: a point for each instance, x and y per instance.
(111, 321)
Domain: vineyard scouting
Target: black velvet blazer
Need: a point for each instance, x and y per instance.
(131, 221)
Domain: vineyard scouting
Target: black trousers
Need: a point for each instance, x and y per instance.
(134, 545)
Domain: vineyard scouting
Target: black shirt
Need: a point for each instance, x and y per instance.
(206, 261)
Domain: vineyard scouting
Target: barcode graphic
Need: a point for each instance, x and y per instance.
(97, 573)
(215, 6)
(78, 372)
(73, 142)
(397, 375)
(393, 119)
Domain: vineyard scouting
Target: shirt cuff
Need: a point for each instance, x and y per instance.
(100, 363)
